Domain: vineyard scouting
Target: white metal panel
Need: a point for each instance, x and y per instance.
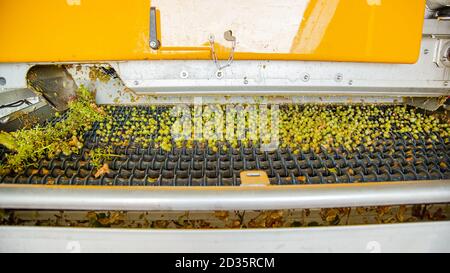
(191, 28)
(411, 237)
(288, 77)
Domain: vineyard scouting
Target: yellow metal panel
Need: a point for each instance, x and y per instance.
(73, 30)
(101, 30)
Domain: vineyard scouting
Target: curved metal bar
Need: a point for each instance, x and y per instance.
(223, 198)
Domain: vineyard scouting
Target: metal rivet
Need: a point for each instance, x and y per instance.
(245, 81)
(219, 74)
(2, 81)
(136, 82)
(305, 77)
(184, 74)
(445, 83)
(339, 77)
(426, 51)
(350, 82)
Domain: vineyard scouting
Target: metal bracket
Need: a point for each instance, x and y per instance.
(154, 42)
(430, 104)
(445, 54)
(442, 53)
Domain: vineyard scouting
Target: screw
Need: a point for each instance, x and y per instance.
(219, 74)
(153, 44)
(305, 77)
(136, 82)
(245, 80)
(2, 81)
(426, 51)
(339, 77)
(350, 82)
(184, 74)
(445, 83)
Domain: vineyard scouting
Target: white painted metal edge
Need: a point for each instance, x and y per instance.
(223, 198)
(408, 237)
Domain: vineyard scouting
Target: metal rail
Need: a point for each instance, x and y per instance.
(222, 198)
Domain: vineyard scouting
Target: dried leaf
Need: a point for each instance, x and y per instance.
(255, 224)
(331, 215)
(50, 181)
(301, 178)
(104, 221)
(417, 211)
(361, 210)
(97, 108)
(276, 214)
(401, 213)
(236, 224)
(221, 214)
(116, 217)
(91, 215)
(103, 170)
(307, 212)
(439, 215)
(382, 210)
(74, 142)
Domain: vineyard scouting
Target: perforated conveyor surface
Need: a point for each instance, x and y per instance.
(397, 158)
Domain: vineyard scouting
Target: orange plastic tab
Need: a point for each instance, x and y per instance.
(254, 178)
(108, 30)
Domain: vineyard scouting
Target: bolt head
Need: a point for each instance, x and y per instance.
(184, 74)
(305, 77)
(154, 44)
(219, 74)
